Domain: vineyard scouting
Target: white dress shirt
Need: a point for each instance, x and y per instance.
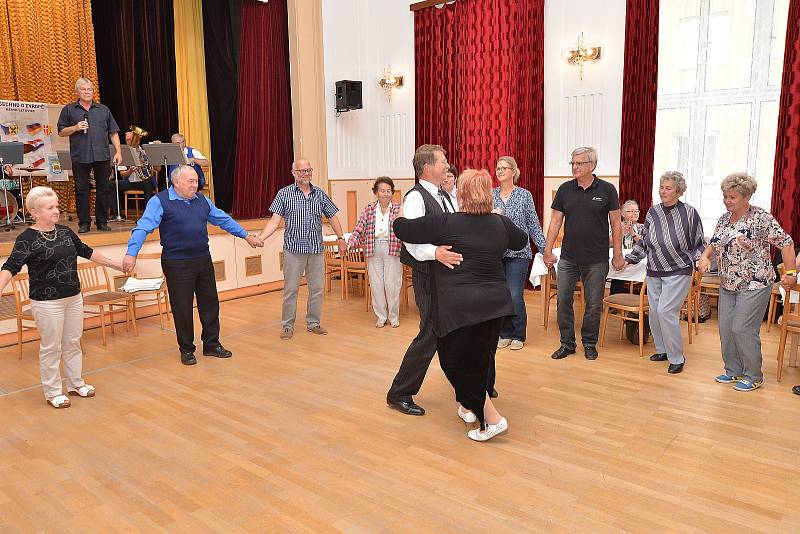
(414, 207)
(382, 222)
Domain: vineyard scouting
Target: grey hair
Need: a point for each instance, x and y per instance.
(82, 81)
(589, 151)
(177, 171)
(677, 178)
(629, 203)
(178, 134)
(294, 163)
(37, 194)
(511, 163)
(740, 182)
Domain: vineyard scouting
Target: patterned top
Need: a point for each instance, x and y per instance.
(521, 211)
(364, 232)
(743, 249)
(52, 265)
(303, 217)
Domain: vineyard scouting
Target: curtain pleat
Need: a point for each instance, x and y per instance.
(47, 46)
(481, 98)
(639, 103)
(190, 75)
(785, 188)
(136, 64)
(264, 108)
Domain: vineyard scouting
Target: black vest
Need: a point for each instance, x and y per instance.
(432, 206)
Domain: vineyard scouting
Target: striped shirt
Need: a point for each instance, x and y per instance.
(303, 217)
(672, 240)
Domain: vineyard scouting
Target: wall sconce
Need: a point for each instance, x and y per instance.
(581, 54)
(388, 81)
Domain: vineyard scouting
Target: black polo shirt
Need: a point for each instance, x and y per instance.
(93, 145)
(585, 219)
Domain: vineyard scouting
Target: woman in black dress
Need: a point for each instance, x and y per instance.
(470, 300)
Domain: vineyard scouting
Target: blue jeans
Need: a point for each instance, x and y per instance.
(593, 276)
(516, 274)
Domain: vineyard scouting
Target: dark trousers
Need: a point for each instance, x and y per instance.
(593, 276)
(515, 326)
(187, 279)
(102, 170)
(465, 358)
(420, 352)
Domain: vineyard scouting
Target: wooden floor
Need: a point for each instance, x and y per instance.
(295, 436)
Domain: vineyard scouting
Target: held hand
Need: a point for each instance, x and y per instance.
(788, 281)
(342, 247)
(83, 125)
(550, 259)
(618, 262)
(254, 241)
(703, 264)
(128, 264)
(446, 257)
(116, 265)
(624, 266)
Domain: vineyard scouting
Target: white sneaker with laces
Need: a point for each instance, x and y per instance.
(516, 344)
(466, 415)
(490, 432)
(503, 343)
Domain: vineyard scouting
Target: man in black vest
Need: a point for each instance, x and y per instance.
(430, 167)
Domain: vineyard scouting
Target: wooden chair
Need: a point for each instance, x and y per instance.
(691, 306)
(774, 296)
(550, 290)
(407, 284)
(626, 303)
(790, 324)
(155, 295)
(136, 196)
(22, 307)
(354, 265)
(709, 285)
(99, 292)
(333, 266)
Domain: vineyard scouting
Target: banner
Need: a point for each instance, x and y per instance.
(26, 122)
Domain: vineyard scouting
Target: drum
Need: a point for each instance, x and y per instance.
(8, 207)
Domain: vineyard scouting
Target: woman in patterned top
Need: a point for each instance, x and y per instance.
(516, 203)
(50, 251)
(742, 239)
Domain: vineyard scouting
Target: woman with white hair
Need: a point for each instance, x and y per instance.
(51, 253)
(672, 238)
(741, 240)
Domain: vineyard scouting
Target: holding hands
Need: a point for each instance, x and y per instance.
(254, 241)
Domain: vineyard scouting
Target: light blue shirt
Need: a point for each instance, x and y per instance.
(151, 219)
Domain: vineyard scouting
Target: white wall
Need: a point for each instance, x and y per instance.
(360, 38)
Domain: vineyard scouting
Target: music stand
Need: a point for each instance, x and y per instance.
(130, 158)
(11, 154)
(168, 153)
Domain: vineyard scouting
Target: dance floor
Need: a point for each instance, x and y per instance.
(295, 436)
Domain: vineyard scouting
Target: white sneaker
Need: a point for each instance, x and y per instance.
(516, 344)
(468, 416)
(490, 432)
(503, 343)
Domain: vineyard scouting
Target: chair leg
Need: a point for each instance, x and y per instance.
(696, 314)
(160, 312)
(689, 305)
(19, 338)
(781, 349)
(344, 283)
(641, 333)
(773, 308)
(132, 308)
(604, 325)
(103, 323)
(367, 293)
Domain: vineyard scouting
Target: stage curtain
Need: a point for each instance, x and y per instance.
(264, 108)
(639, 103)
(46, 47)
(221, 41)
(136, 64)
(190, 75)
(483, 97)
(785, 187)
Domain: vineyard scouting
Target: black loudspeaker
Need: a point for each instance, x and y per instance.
(348, 95)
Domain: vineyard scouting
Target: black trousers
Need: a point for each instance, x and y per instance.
(102, 170)
(187, 279)
(465, 356)
(420, 352)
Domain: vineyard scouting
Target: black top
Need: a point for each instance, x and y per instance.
(52, 265)
(92, 145)
(586, 219)
(474, 291)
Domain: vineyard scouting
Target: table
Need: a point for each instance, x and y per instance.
(632, 273)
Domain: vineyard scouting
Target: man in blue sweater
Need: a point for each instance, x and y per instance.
(181, 213)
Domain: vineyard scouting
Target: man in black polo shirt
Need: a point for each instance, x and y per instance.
(90, 126)
(588, 204)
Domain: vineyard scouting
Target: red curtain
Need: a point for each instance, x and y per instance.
(264, 125)
(785, 187)
(480, 84)
(639, 100)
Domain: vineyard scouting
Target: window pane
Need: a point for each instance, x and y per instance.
(672, 144)
(780, 14)
(765, 155)
(679, 28)
(730, 44)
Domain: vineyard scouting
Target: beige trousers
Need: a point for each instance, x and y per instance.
(60, 325)
(385, 279)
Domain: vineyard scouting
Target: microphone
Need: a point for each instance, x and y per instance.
(86, 118)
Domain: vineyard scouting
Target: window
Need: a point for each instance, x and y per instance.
(719, 73)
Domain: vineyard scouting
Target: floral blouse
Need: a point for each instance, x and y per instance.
(520, 209)
(743, 249)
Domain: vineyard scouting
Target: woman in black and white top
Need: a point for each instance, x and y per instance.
(51, 253)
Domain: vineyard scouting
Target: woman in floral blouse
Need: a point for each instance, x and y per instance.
(742, 239)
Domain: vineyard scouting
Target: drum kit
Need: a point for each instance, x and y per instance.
(10, 214)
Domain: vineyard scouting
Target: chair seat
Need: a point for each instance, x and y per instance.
(630, 300)
(106, 297)
(711, 280)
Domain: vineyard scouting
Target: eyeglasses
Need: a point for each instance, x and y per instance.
(502, 169)
(578, 163)
(304, 171)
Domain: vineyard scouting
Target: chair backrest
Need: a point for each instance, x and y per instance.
(21, 284)
(643, 294)
(791, 311)
(91, 282)
(354, 259)
(330, 255)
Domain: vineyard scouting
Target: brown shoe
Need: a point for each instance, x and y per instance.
(287, 333)
(318, 330)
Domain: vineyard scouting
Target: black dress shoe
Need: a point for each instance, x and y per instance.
(796, 390)
(407, 406)
(562, 352)
(659, 357)
(218, 352)
(493, 394)
(83, 228)
(590, 353)
(103, 227)
(187, 358)
(675, 368)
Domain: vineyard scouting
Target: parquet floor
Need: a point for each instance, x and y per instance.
(296, 437)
